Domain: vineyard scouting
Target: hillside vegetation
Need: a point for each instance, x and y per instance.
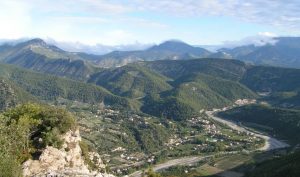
(37, 55)
(224, 68)
(284, 166)
(192, 94)
(26, 130)
(51, 88)
(131, 81)
(174, 89)
(11, 95)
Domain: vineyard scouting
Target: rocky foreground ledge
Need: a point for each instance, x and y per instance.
(67, 161)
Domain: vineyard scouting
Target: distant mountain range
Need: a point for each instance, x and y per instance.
(40, 56)
(172, 81)
(169, 50)
(164, 78)
(285, 52)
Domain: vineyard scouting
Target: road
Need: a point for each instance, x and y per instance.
(270, 144)
(174, 162)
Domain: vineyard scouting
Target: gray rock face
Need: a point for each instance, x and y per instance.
(67, 161)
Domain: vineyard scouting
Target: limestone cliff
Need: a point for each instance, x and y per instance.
(67, 161)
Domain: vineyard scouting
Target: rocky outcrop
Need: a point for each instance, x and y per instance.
(67, 161)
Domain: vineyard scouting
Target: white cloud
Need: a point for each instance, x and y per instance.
(277, 13)
(98, 48)
(262, 38)
(87, 20)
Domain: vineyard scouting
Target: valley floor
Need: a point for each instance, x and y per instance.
(270, 144)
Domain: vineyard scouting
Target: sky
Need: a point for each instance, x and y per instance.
(119, 22)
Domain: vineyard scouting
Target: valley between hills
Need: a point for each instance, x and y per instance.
(177, 112)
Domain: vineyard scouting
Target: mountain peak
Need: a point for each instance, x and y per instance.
(180, 47)
(171, 45)
(36, 41)
(173, 42)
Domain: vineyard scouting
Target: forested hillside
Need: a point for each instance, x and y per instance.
(50, 88)
(284, 166)
(37, 55)
(131, 81)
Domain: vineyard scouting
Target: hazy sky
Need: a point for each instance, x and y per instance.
(113, 22)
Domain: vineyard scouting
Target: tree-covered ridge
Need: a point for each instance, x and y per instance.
(223, 68)
(271, 79)
(131, 81)
(11, 95)
(284, 166)
(160, 87)
(193, 93)
(50, 88)
(26, 130)
(37, 55)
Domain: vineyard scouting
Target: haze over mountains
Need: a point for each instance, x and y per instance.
(284, 52)
(171, 81)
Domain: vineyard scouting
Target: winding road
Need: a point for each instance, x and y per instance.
(270, 144)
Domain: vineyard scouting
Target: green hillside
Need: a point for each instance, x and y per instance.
(194, 93)
(223, 68)
(37, 55)
(11, 95)
(279, 167)
(50, 88)
(273, 79)
(282, 85)
(131, 81)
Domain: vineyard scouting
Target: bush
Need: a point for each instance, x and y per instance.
(28, 128)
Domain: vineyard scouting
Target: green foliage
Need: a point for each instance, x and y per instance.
(9, 167)
(150, 137)
(50, 88)
(11, 95)
(170, 108)
(47, 59)
(272, 79)
(193, 93)
(279, 167)
(223, 68)
(151, 173)
(85, 149)
(28, 128)
(131, 81)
